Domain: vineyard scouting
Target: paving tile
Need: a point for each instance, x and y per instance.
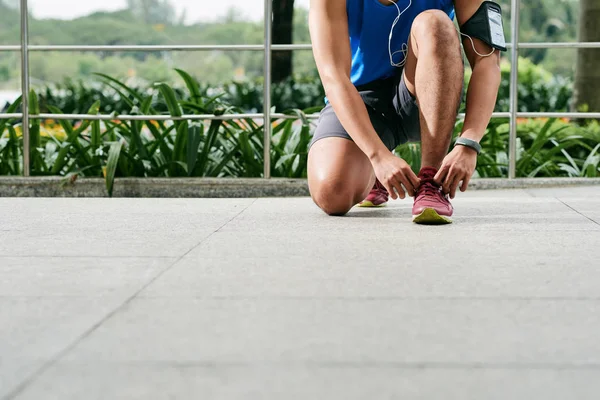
(77, 276)
(422, 264)
(480, 214)
(499, 332)
(125, 215)
(215, 382)
(34, 330)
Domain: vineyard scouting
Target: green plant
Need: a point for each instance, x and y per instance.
(545, 148)
(10, 144)
(538, 90)
(235, 148)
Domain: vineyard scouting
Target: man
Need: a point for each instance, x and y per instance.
(393, 72)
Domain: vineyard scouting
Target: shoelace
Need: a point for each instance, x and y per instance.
(428, 186)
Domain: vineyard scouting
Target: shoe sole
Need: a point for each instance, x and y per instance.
(368, 204)
(430, 217)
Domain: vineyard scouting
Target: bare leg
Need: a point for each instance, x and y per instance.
(339, 175)
(434, 71)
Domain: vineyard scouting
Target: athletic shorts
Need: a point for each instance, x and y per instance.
(392, 109)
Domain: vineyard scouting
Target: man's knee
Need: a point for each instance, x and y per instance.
(435, 28)
(333, 196)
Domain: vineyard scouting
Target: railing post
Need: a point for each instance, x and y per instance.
(25, 86)
(267, 89)
(514, 89)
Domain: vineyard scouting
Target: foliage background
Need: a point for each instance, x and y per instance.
(220, 81)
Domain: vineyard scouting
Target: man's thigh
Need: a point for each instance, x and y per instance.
(329, 124)
(407, 112)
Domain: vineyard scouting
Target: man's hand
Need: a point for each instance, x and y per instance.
(457, 166)
(393, 172)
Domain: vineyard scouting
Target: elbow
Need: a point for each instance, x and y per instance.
(333, 80)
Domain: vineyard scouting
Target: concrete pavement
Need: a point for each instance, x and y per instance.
(271, 299)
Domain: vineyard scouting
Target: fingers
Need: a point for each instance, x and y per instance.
(390, 189)
(394, 188)
(442, 174)
(410, 190)
(414, 182)
(453, 186)
(398, 186)
(465, 183)
(448, 182)
(451, 182)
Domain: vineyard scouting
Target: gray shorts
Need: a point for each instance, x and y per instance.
(392, 108)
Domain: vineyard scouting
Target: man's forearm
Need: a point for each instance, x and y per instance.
(352, 113)
(481, 98)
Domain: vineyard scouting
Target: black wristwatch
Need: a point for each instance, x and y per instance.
(468, 143)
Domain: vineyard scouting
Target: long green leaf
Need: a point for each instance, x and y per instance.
(120, 84)
(37, 163)
(72, 139)
(96, 134)
(209, 142)
(111, 166)
(179, 151)
(193, 144)
(161, 142)
(10, 110)
(170, 98)
(192, 86)
(16, 148)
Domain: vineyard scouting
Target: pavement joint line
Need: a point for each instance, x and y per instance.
(356, 364)
(72, 256)
(31, 378)
(311, 298)
(583, 215)
(376, 298)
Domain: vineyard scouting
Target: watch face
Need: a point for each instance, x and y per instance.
(496, 28)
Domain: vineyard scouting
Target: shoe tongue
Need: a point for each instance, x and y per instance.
(427, 173)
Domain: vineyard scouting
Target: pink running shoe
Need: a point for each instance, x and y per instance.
(431, 206)
(378, 197)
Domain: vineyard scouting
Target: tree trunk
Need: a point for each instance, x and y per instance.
(283, 24)
(587, 76)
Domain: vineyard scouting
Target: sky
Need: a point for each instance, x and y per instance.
(196, 10)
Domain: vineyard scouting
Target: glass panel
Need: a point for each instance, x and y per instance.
(10, 22)
(146, 22)
(577, 140)
(10, 75)
(301, 33)
(548, 21)
(11, 143)
(235, 73)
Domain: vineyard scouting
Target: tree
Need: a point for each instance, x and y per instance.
(283, 30)
(14, 4)
(587, 75)
(154, 11)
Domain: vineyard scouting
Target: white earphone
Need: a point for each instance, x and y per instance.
(404, 48)
(474, 49)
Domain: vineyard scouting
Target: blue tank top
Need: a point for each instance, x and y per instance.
(369, 24)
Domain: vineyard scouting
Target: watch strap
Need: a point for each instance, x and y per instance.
(469, 143)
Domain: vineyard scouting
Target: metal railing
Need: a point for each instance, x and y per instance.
(266, 115)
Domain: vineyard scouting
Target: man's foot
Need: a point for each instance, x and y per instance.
(431, 206)
(378, 197)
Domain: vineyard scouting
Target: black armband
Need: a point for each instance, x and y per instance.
(486, 25)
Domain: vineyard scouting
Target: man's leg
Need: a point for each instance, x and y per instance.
(434, 73)
(339, 174)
